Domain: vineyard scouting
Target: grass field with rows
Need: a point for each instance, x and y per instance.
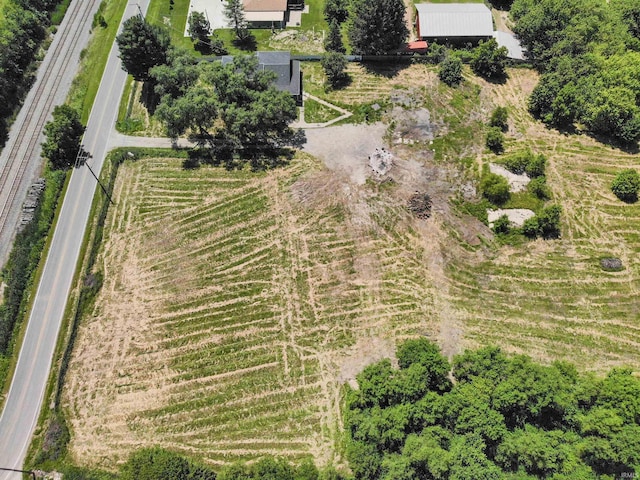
(234, 307)
(552, 299)
(236, 304)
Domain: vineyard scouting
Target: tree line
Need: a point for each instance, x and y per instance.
(484, 416)
(23, 29)
(490, 416)
(588, 52)
(159, 464)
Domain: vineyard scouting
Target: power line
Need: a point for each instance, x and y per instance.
(30, 472)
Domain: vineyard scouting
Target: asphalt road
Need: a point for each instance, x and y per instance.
(26, 395)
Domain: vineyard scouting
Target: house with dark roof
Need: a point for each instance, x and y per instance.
(289, 75)
(453, 22)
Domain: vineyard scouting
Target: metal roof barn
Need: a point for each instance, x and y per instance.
(454, 20)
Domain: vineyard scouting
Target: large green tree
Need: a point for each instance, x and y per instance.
(63, 133)
(377, 26)
(334, 64)
(142, 47)
(177, 76)
(233, 107)
(333, 42)
(234, 11)
(502, 417)
(337, 10)
(199, 30)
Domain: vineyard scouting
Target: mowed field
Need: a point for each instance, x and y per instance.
(235, 305)
(551, 299)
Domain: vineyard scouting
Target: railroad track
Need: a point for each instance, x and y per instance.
(21, 156)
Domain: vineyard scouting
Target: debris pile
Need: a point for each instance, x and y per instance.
(381, 161)
(31, 203)
(420, 205)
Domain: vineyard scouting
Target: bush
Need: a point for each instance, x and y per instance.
(535, 166)
(495, 140)
(538, 187)
(525, 162)
(489, 60)
(502, 224)
(531, 228)
(435, 54)
(517, 162)
(495, 188)
(499, 119)
(549, 221)
(626, 185)
(451, 71)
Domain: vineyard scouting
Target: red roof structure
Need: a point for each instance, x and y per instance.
(419, 46)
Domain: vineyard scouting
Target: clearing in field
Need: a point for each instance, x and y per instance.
(235, 305)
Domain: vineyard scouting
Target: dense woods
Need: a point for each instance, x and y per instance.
(21, 33)
(588, 52)
(495, 417)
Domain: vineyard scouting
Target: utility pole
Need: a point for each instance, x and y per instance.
(81, 159)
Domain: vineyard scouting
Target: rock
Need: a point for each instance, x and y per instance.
(517, 216)
(611, 264)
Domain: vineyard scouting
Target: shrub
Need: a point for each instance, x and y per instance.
(495, 188)
(517, 162)
(451, 71)
(626, 185)
(488, 60)
(499, 118)
(535, 166)
(549, 221)
(531, 228)
(538, 187)
(495, 140)
(435, 54)
(525, 162)
(502, 224)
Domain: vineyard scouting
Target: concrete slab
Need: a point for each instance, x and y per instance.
(213, 10)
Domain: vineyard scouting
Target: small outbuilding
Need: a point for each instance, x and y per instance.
(453, 22)
(511, 43)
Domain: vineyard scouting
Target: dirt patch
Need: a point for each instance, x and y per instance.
(413, 125)
(365, 352)
(346, 149)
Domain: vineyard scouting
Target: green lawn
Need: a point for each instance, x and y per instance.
(314, 20)
(161, 12)
(94, 58)
(315, 112)
(228, 36)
